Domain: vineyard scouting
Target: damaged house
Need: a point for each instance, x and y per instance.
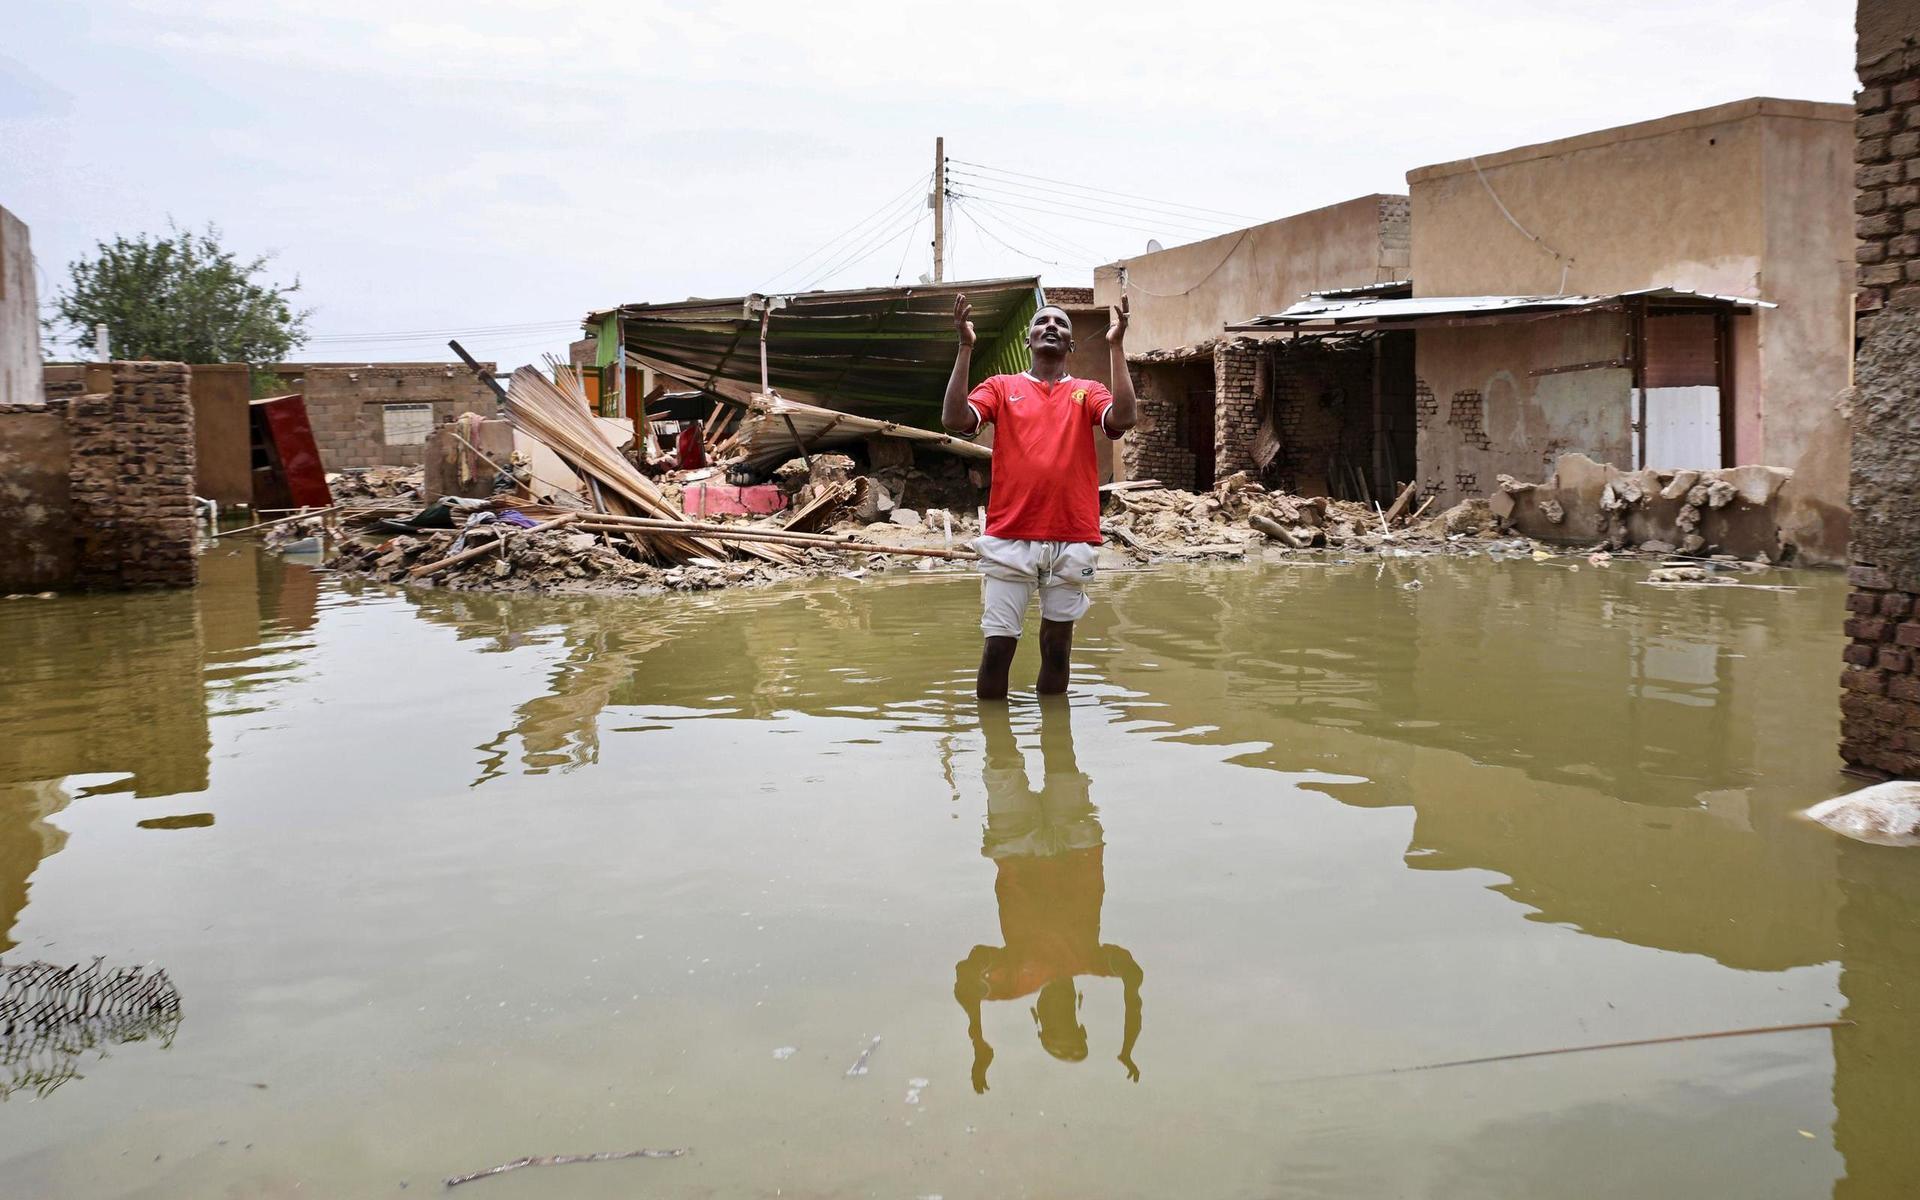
(1674, 294)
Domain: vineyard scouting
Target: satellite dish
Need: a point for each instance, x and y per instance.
(1154, 246)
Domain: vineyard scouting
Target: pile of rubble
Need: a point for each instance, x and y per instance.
(557, 561)
(376, 483)
(1239, 516)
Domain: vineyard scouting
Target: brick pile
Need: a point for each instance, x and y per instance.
(132, 479)
(1880, 709)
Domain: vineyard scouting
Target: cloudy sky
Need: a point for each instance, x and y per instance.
(498, 167)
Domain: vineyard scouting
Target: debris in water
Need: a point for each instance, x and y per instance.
(859, 1066)
(560, 1160)
(1411, 585)
(1886, 814)
(914, 1088)
(784, 1053)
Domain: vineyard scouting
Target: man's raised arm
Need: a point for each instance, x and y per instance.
(1122, 413)
(955, 413)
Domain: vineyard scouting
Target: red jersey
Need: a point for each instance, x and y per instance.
(1046, 481)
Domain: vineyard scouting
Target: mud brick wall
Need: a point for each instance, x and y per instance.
(1880, 705)
(1887, 183)
(1322, 406)
(347, 406)
(132, 479)
(1880, 708)
(1239, 403)
(1156, 447)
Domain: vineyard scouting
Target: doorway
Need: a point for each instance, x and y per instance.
(1199, 441)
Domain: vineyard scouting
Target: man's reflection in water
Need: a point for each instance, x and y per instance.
(1048, 848)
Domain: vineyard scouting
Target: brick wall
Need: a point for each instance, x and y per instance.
(1239, 391)
(348, 408)
(1156, 447)
(1887, 182)
(1880, 702)
(132, 479)
(1322, 407)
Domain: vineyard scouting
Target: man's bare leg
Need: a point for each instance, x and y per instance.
(1056, 656)
(996, 660)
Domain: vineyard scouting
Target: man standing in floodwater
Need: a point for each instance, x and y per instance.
(1043, 516)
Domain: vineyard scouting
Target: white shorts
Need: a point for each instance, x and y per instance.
(1010, 570)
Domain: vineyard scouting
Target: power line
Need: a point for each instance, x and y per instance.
(1051, 212)
(1064, 208)
(908, 248)
(859, 254)
(1041, 195)
(1104, 191)
(966, 210)
(828, 248)
(1024, 228)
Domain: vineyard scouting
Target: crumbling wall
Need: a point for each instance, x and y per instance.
(1156, 448)
(1731, 510)
(36, 507)
(379, 414)
(1239, 383)
(132, 477)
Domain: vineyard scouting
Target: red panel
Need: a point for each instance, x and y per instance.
(715, 499)
(298, 454)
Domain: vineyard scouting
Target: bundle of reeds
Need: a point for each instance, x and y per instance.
(555, 410)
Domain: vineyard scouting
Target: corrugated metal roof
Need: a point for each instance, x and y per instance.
(881, 351)
(1372, 313)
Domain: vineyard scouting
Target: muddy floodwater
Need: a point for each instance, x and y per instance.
(448, 879)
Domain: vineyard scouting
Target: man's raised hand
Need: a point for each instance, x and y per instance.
(1117, 326)
(963, 319)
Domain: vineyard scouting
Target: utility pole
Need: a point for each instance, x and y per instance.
(938, 202)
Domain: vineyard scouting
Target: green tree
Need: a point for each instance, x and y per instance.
(181, 298)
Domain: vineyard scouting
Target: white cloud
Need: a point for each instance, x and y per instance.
(433, 164)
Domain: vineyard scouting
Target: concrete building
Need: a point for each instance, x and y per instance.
(19, 314)
(1204, 397)
(1744, 200)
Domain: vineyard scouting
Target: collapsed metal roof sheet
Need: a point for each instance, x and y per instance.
(880, 351)
(1325, 314)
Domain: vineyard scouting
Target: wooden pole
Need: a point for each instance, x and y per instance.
(939, 200)
(721, 533)
(473, 552)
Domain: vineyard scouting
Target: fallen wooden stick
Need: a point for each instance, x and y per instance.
(473, 552)
(297, 516)
(561, 1160)
(1399, 504)
(1753, 1031)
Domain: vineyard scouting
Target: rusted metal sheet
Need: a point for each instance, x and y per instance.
(1364, 313)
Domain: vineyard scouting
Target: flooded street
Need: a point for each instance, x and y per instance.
(448, 879)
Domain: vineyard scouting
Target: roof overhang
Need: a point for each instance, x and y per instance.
(882, 351)
(1366, 314)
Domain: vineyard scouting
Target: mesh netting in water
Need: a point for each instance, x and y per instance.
(50, 1015)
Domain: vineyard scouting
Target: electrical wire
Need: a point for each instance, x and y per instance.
(829, 246)
(1025, 229)
(908, 248)
(859, 254)
(1049, 212)
(1127, 285)
(883, 233)
(1062, 208)
(1566, 262)
(1114, 208)
(1103, 191)
(966, 210)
